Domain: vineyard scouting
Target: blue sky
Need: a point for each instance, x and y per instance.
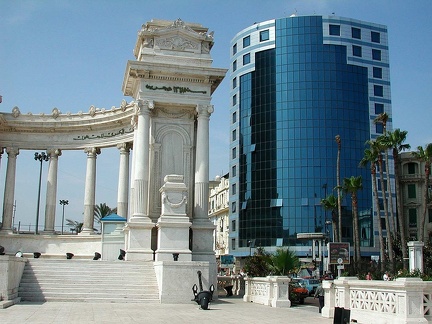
(72, 54)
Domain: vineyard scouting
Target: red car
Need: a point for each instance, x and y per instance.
(297, 293)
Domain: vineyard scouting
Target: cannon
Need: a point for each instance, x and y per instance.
(203, 297)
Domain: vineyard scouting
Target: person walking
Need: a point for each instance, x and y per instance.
(369, 276)
(386, 276)
(320, 294)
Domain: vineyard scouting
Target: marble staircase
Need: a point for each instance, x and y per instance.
(88, 281)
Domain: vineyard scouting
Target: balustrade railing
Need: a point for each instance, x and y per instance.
(405, 300)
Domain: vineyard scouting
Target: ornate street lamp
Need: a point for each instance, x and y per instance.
(39, 157)
(63, 203)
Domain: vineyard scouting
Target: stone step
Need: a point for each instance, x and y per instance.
(88, 281)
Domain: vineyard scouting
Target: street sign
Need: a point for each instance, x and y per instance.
(338, 250)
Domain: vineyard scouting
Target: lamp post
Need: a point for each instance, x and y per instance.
(63, 203)
(39, 157)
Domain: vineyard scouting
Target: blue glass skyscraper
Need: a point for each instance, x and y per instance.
(297, 82)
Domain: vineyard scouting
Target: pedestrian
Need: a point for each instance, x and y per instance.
(320, 294)
(369, 276)
(386, 276)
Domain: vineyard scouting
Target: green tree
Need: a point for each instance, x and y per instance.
(395, 140)
(258, 265)
(102, 210)
(338, 186)
(352, 186)
(330, 203)
(371, 156)
(283, 262)
(75, 225)
(424, 155)
(380, 148)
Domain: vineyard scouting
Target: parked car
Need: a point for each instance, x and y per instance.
(297, 293)
(308, 283)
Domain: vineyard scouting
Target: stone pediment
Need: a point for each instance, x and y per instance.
(177, 35)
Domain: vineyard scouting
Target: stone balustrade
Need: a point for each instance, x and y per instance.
(237, 284)
(270, 291)
(405, 300)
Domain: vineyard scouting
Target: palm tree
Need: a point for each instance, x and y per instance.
(371, 156)
(394, 140)
(382, 118)
(339, 194)
(331, 203)
(283, 262)
(75, 225)
(102, 210)
(351, 186)
(424, 155)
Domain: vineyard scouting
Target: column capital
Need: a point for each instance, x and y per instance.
(12, 151)
(92, 151)
(124, 147)
(54, 152)
(143, 105)
(204, 110)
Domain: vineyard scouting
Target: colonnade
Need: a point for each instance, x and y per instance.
(140, 176)
(51, 187)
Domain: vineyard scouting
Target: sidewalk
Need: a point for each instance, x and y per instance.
(225, 310)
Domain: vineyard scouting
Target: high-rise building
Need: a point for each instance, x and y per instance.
(296, 83)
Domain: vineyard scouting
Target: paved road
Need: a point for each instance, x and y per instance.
(225, 310)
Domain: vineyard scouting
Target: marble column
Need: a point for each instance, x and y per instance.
(202, 241)
(9, 193)
(90, 190)
(139, 227)
(51, 192)
(123, 180)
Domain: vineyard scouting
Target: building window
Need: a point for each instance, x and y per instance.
(246, 59)
(234, 117)
(234, 100)
(234, 65)
(234, 189)
(412, 212)
(334, 30)
(378, 91)
(233, 207)
(379, 129)
(233, 244)
(234, 83)
(234, 49)
(233, 225)
(356, 32)
(377, 72)
(246, 41)
(411, 190)
(357, 50)
(234, 134)
(411, 168)
(234, 152)
(376, 55)
(234, 171)
(264, 35)
(383, 225)
(379, 108)
(375, 37)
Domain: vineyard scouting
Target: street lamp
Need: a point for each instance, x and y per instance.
(63, 203)
(39, 157)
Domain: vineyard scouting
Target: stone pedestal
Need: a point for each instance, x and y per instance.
(173, 224)
(138, 233)
(415, 252)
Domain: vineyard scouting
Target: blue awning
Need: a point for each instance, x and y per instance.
(113, 218)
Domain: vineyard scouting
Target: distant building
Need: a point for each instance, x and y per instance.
(219, 213)
(296, 83)
(412, 191)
